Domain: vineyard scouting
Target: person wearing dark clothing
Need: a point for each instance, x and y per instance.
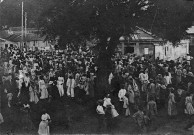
(54, 91)
(24, 94)
(191, 87)
(109, 119)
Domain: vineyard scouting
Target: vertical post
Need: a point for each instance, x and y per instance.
(123, 48)
(25, 29)
(22, 25)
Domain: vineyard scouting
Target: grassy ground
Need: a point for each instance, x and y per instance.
(82, 120)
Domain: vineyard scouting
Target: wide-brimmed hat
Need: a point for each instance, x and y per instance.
(100, 101)
(190, 74)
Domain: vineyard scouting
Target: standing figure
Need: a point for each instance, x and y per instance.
(1, 119)
(167, 78)
(139, 118)
(189, 107)
(27, 80)
(172, 104)
(60, 83)
(70, 86)
(51, 74)
(178, 75)
(42, 88)
(100, 111)
(44, 124)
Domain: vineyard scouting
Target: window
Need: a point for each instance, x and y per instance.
(6, 45)
(129, 49)
(146, 50)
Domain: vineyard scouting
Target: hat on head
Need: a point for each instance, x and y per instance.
(100, 101)
(50, 82)
(190, 74)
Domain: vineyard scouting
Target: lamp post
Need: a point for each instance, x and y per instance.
(22, 38)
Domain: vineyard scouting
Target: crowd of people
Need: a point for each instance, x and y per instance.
(41, 77)
(138, 87)
(143, 87)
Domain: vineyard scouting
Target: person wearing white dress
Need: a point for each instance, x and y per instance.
(70, 86)
(107, 101)
(110, 78)
(1, 119)
(121, 96)
(189, 107)
(167, 78)
(60, 83)
(27, 80)
(42, 88)
(44, 125)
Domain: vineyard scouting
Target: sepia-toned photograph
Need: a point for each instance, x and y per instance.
(97, 67)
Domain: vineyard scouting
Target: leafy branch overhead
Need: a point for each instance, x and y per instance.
(81, 19)
(98, 18)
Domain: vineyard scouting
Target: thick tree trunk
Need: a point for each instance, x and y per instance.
(105, 66)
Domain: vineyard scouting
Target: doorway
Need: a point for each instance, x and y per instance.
(129, 49)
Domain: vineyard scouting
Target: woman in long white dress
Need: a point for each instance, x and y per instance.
(70, 86)
(44, 125)
(60, 83)
(42, 88)
(189, 107)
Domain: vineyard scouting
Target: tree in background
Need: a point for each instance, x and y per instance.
(105, 20)
(169, 19)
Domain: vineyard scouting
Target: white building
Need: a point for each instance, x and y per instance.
(6, 43)
(168, 51)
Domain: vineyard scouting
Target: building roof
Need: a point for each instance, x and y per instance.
(19, 29)
(2, 40)
(29, 37)
(4, 34)
(141, 35)
(14, 34)
(190, 30)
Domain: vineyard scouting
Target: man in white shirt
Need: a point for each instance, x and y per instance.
(121, 95)
(100, 111)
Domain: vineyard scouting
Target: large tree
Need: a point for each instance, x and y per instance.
(101, 19)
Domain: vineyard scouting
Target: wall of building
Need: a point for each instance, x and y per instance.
(171, 52)
(165, 51)
(159, 51)
(38, 44)
(145, 49)
(7, 44)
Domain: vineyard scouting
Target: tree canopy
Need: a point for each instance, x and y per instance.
(98, 18)
(169, 19)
